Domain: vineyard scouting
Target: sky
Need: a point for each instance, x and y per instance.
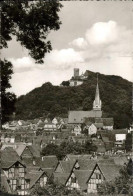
(95, 36)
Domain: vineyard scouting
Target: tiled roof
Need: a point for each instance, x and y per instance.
(98, 120)
(105, 139)
(67, 166)
(48, 171)
(120, 131)
(101, 148)
(77, 157)
(8, 157)
(49, 162)
(105, 121)
(99, 125)
(82, 177)
(120, 160)
(86, 164)
(106, 161)
(89, 120)
(78, 116)
(110, 171)
(61, 178)
(20, 149)
(34, 150)
(4, 183)
(34, 177)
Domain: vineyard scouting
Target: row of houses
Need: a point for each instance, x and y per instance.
(46, 124)
(105, 142)
(24, 168)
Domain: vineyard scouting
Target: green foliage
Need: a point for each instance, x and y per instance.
(121, 184)
(31, 23)
(115, 93)
(68, 148)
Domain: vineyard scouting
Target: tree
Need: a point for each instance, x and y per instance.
(65, 83)
(128, 142)
(121, 184)
(7, 99)
(87, 103)
(31, 23)
(54, 189)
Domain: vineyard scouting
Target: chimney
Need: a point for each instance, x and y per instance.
(76, 72)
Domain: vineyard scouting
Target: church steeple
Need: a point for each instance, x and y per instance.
(97, 104)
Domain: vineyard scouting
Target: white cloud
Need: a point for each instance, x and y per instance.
(63, 59)
(104, 49)
(57, 59)
(102, 33)
(79, 42)
(22, 64)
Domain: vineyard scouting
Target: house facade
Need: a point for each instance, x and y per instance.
(95, 179)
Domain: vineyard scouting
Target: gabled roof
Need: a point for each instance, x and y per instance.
(89, 120)
(108, 121)
(34, 176)
(82, 177)
(110, 171)
(49, 162)
(105, 139)
(67, 166)
(61, 178)
(99, 125)
(4, 182)
(120, 131)
(105, 121)
(122, 160)
(78, 116)
(34, 150)
(86, 164)
(77, 157)
(48, 171)
(101, 148)
(20, 148)
(9, 157)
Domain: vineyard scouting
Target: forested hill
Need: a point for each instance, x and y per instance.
(49, 100)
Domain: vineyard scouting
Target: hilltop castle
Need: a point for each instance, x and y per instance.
(77, 79)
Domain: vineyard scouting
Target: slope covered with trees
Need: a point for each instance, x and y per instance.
(51, 101)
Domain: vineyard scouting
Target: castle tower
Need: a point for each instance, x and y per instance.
(97, 104)
(76, 72)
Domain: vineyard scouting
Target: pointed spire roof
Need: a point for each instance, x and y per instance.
(97, 95)
(97, 101)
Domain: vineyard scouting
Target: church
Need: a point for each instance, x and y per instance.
(94, 115)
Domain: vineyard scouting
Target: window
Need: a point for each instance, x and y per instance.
(11, 173)
(13, 184)
(73, 179)
(75, 83)
(21, 172)
(43, 181)
(22, 184)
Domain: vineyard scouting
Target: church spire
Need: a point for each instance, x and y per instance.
(97, 102)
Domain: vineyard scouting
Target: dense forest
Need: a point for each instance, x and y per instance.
(51, 101)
